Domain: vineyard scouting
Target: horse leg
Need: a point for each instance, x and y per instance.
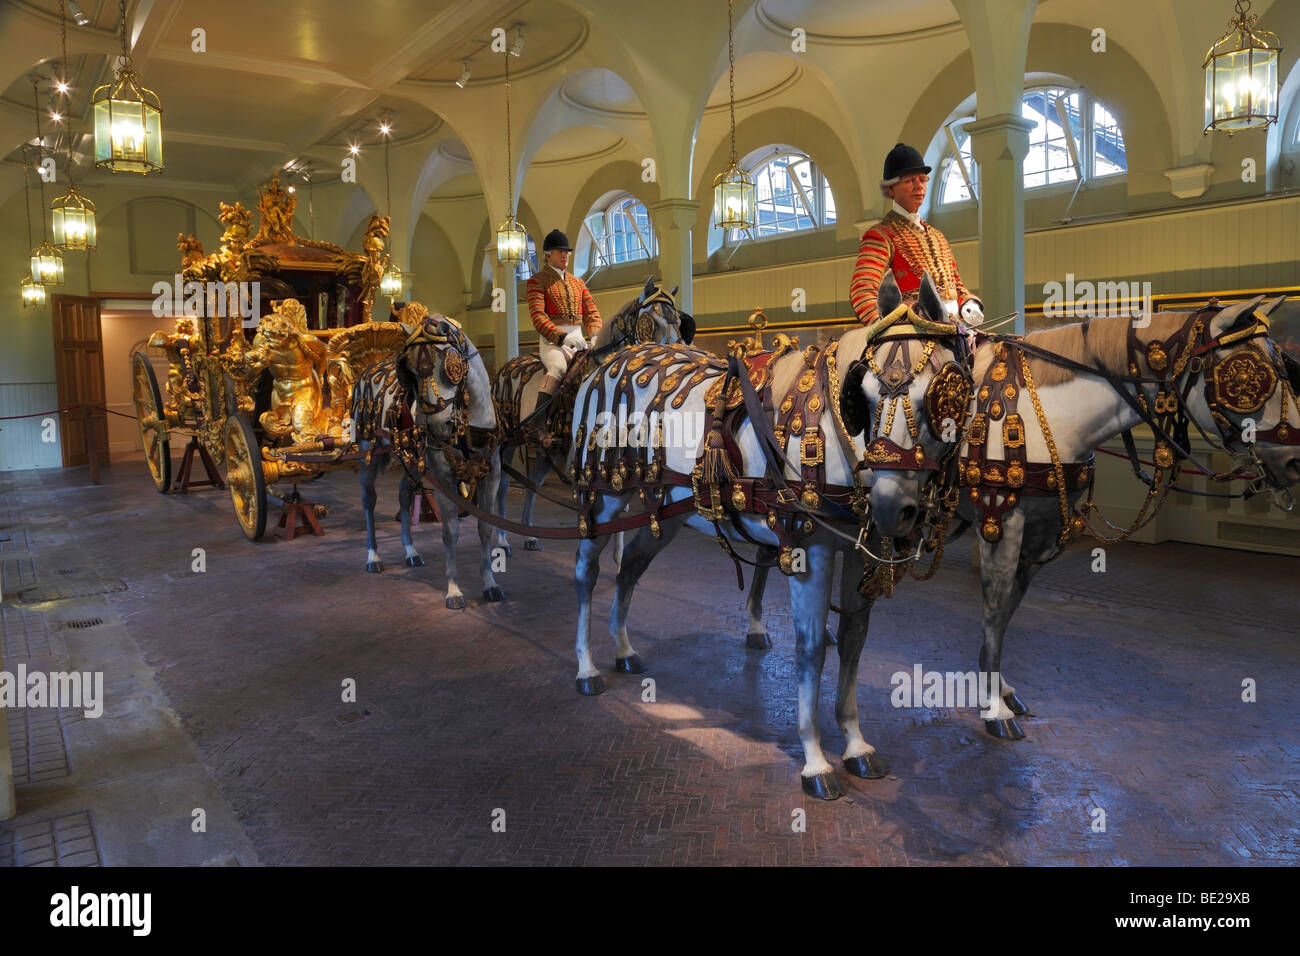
(641, 550)
(450, 530)
(810, 596)
(487, 491)
(367, 474)
(1006, 568)
(538, 477)
(503, 487)
(405, 495)
(860, 758)
(757, 638)
(585, 572)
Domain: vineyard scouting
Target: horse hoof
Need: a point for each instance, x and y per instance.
(374, 567)
(757, 641)
(494, 594)
(1017, 705)
(456, 603)
(868, 766)
(629, 665)
(1004, 729)
(824, 786)
(829, 640)
(591, 686)
(415, 562)
(532, 544)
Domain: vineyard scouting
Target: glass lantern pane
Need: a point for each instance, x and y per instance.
(103, 124)
(153, 136)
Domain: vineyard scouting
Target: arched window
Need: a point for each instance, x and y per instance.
(1073, 136)
(616, 230)
(791, 193)
(525, 270)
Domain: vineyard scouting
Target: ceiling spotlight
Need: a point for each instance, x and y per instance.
(77, 16)
(385, 128)
(354, 149)
(463, 80)
(60, 86)
(517, 41)
(56, 116)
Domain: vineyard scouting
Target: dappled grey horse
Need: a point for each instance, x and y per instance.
(430, 407)
(1024, 473)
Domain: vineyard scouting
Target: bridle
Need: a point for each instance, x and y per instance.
(946, 403)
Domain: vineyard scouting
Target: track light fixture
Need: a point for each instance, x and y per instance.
(79, 18)
(517, 40)
(463, 80)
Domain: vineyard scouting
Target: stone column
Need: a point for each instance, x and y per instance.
(998, 31)
(999, 144)
(673, 221)
(505, 325)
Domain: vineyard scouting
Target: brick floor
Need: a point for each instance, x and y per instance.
(466, 718)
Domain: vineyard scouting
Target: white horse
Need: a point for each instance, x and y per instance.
(431, 407)
(651, 316)
(811, 578)
(1251, 391)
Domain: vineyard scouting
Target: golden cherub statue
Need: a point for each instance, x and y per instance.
(297, 362)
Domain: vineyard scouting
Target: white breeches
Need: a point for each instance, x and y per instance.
(556, 358)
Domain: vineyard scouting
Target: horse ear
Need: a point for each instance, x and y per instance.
(1228, 317)
(686, 325)
(1268, 307)
(854, 407)
(649, 289)
(930, 302)
(888, 297)
(676, 287)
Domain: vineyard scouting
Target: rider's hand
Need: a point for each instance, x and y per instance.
(972, 313)
(575, 341)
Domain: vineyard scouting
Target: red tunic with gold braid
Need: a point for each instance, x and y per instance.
(895, 243)
(554, 301)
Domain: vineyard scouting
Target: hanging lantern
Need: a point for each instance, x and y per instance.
(391, 282)
(128, 120)
(128, 126)
(512, 243)
(1241, 76)
(733, 190)
(733, 199)
(47, 264)
(33, 294)
(74, 221)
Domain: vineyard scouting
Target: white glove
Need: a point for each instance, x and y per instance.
(575, 341)
(972, 313)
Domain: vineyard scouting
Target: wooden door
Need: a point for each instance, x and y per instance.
(79, 371)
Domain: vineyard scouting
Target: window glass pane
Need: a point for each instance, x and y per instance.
(785, 187)
(1108, 156)
(952, 188)
(1048, 159)
(617, 228)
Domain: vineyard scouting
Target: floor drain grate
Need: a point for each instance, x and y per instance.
(352, 716)
(65, 841)
(69, 570)
(85, 622)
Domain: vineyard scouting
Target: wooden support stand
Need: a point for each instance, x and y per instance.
(295, 507)
(424, 508)
(183, 483)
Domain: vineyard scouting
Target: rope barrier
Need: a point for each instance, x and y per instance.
(64, 411)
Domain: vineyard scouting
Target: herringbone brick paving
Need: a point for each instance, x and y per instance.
(1134, 677)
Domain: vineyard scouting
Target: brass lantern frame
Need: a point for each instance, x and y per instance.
(1258, 54)
(73, 221)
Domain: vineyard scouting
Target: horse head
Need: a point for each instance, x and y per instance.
(1249, 394)
(909, 393)
(436, 363)
(653, 316)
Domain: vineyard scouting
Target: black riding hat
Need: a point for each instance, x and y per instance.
(902, 159)
(556, 240)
